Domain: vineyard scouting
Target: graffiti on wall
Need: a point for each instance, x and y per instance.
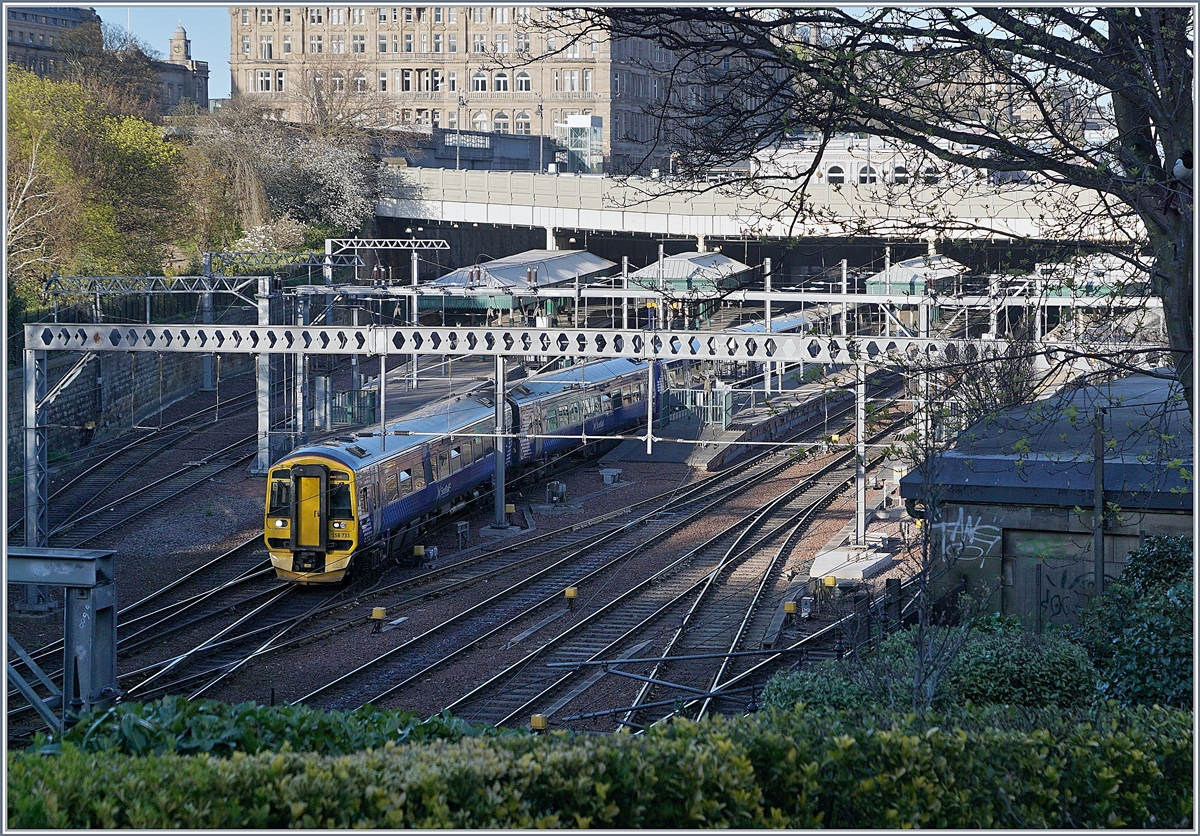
(966, 536)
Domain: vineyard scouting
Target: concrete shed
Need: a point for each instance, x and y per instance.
(1010, 507)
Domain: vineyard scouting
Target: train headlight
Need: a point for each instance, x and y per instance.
(339, 525)
(281, 523)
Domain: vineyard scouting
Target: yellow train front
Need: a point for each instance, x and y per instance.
(312, 525)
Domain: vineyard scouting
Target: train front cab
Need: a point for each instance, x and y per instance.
(310, 521)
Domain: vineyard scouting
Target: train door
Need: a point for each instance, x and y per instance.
(309, 485)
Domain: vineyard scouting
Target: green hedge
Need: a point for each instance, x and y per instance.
(978, 768)
(175, 724)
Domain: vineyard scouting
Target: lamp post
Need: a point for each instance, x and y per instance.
(541, 138)
(458, 128)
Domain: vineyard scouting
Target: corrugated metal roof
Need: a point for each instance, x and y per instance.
(920, 268)
(553, 267)
(697, 267)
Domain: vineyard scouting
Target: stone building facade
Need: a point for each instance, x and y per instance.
(502, 69)
(32, 33)
(183, 78)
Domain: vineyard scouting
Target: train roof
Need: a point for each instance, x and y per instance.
(555, 382)
(788, 322)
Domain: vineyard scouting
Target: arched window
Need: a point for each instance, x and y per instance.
(835, 176)
(523, 125)
(500, 82)
(479, 82)
(524, 83)
(932, 177)
(866, 174)
(500, 123)
(479, 121)
(899, 174)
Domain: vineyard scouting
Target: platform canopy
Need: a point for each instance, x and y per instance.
(702, 273)
(514, 275)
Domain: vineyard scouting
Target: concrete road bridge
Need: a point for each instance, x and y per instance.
(596, 203)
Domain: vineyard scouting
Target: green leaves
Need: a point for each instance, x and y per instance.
(974, 767)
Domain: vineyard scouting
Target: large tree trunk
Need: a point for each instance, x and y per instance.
(1173, 284)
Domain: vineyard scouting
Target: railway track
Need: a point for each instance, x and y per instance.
(121, 462)
(526, 686)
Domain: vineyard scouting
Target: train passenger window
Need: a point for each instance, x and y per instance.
(406, 482)
(339, 501)
(551, 422)
(575, 412)
(477, 448)
(391, 489)
(615, 399)
(280, 503)
(456, 461)
(443, 466)
(467, 456)
(489, 444)
(563, 417)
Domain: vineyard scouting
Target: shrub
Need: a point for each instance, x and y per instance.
(975, 767)
(1158, 563)
(999, 663)
(174, 724)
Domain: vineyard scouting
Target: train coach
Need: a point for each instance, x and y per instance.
(336, 506)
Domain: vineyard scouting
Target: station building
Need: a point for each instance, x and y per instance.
(1014, 498)
(498, 69)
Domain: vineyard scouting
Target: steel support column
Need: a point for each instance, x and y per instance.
(860, 455)
(206, 316)
(768, 365)
(37, 532)
(500, 446)
(262, 379)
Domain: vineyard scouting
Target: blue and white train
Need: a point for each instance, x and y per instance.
(339, 504)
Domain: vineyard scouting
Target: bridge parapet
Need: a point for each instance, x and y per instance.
(978, 210)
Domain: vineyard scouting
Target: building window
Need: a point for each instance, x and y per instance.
(500, 83)
(501, 42)
(383, 43)
(550, 43)
(866, 175)
(287, 44)
(479, 43)
(522, 15)
(932, 176)
(571, 50)
(452, 42)
(408, 42)
(899, 174)
(437, 42)
(245, 44)
(424, 42)
(558, 82)
(314, 15)
(287, 16)
(479, 82)
(479, 14)
(835, 176)
(408, 14)
(278, 81)
(383, 82)
(436, 118)
(264, 81)
(337, 16)
(437, 14)
(395, 43)
(500, 123)
(337, 44)
(452, 119)
(426, 82)
(383, 17)
(524, 83)
(315, 46)
(360, 83)
(452, 81)
(522, 42)
(406, 83)
(265, 48)
(595, 42)
(265, 15)
(438, 81)
(421, 14)
(587, 81)
(245, 17)
(338, 83)
(500, 14)
(479, 121)
(358, 16)
(452, 16)
(359, 44)
(522, 125)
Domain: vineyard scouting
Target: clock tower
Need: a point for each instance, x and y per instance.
(181, 47)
